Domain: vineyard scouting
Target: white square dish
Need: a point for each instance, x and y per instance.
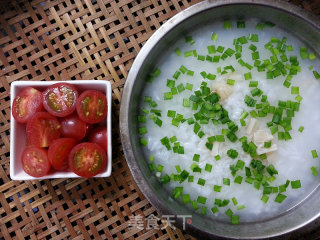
(18, 134)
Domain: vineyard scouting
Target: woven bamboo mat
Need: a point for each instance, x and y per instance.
(73, 39)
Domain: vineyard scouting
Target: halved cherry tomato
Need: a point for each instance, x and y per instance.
(87, 159)
(92, 106)
(42, 128)
(100, 136)
(60, 99)
(35, 161)
(73, 127)
(59, 151)
(26, 103)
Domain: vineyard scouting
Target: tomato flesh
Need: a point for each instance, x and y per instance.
(60, 99)
(87, 159)
(59, 151)
(26, 103)
(100, 136)
(73, 127)
(92, 106)
(42, 129)
(35, 161)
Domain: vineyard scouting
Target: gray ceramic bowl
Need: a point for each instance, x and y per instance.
(301, 218)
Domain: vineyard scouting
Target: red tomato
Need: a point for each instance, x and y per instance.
(99, 136)
(73, 127)
(87, 159)
(92, 106)
(42, 128)
(35, 161)
(26, 103)
(59, 151)
(88, 129)
(60, 99)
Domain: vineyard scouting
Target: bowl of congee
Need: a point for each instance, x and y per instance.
(220, 120)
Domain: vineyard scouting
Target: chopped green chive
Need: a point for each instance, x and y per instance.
(264, 198)
(208, 167)
(314, 153)
(295, 90)
(214, 210)
(314, 171)
(296, 184)
(227, 24)
(229, 212)
(143, 141)
(195, 205)
(232, 153)
(235, 219)
(241, 24)
(214, 37)
(186, 198)
(280, 198)
(301, 128)
(201, 199)
(177, 51)
(234, 201)
(238, 179)
(241, 207)
(201, 182)
(217, 188)
(226, 181)
(189, 39)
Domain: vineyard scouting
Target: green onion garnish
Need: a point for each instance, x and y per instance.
(230, 82)
(190, 178)
(314, 171)
(234, 201)
(241, 207)
(143, 141)
(226, 181)
(201, 182)
(241, 24)
(295, 90)
(267, 144)
(211, 49)
(189, 39)
(316, 74)
(141, 119)
(201, 199)
(314, 153)
(229, 212)
(208, 167)
(217, 188)
(296, 184)
(195, 205)
(227, 24)
(238, 179)
(167, 96)
(214, 37)
(143, 130)
(214, 210)
(280, 198)
(232, 153)
(235, 219)
(186, 198)
(177, 51)
(264, 198)
(196, 157)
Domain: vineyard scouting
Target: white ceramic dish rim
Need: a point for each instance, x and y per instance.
(81, 84)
